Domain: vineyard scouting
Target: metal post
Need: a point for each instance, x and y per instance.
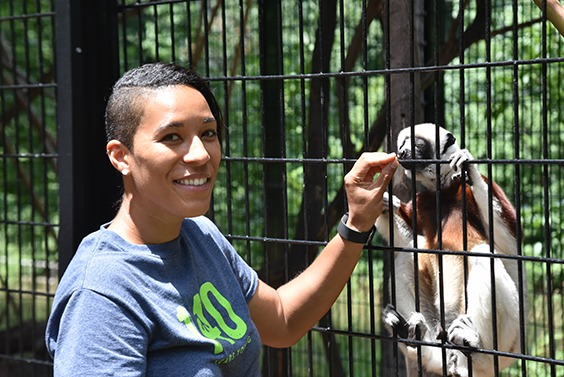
(87, 61)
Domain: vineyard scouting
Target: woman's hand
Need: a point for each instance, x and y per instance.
(365, 185)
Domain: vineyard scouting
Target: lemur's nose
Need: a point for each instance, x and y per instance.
(404, 154)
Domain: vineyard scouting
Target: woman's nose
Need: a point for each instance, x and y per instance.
(196, 152)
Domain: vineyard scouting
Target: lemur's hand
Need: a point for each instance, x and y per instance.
(458, 159)
(395, 201)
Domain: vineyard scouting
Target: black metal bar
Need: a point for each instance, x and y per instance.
(86, 69)
(245, 126)
(272, 108)
(517, 174)
(546, 194)
(489, 141)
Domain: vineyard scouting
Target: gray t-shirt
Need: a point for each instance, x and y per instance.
(173, 309)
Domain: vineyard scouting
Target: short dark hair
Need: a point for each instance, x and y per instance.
(126, 103)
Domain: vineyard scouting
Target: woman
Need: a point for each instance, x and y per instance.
(159, 291)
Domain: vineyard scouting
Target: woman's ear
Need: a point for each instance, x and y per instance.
(118, 155)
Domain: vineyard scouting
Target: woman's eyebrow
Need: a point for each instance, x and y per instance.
(167, 126)
(170, 125)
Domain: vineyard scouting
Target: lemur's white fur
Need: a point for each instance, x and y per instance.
(467, 306)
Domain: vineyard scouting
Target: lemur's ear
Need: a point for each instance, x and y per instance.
(450, 140)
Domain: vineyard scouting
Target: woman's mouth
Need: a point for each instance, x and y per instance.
(191, 181)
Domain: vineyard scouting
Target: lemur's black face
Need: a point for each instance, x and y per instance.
(423, 150)
(417, 152)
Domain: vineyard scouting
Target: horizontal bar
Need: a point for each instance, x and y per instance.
(418, 161)
(390, 71)
(28, 86)
(26, 16)
(30, 155)
(415, 342)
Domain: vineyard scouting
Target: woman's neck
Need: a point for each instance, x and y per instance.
(137, 226)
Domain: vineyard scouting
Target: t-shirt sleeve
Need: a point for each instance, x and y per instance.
(245, 274)
(247, 277)
(97, 337)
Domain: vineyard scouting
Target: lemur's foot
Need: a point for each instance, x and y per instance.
(407, 329)
(456, 364)
(394, 321)
(462, 332)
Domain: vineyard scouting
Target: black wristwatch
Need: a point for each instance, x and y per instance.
(353, 235)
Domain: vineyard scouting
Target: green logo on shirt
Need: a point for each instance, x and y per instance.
(230, 327)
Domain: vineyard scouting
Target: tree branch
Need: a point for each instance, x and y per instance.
(554, 13)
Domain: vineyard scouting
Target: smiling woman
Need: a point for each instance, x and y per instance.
(170, 173)
(159, 291)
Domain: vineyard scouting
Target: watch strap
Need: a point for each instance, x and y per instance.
(351, 234)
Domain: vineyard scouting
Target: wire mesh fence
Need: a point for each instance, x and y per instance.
(28, 268)
(305, 87)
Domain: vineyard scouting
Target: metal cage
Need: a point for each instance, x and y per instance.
(305, 87)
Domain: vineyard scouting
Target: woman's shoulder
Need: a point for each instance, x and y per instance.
(104, 257)
(100, 245)
(199, 221)
(202, 234)
(201, 225)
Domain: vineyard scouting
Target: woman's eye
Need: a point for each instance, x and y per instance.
(170, 137)
(209, 134)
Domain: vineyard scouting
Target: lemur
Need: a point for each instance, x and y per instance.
(462, 281)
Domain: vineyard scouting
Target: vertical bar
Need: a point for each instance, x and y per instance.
(517, 188)
(488, 40)
(370, 251)
(172, 32)
(224, 131)
(4, 320)
(390, 351)
(439, 120)
(462, 101)
(124, 58)
(206, 37)
(64, 45)
(303, 108)
(546, 190)
(245, 125)
(344, 123)
(189, 34)
(411, 122)
(272, 108)
(30, 231)
(140, 38)
(156, 31)
(45, 149)
(86, 69)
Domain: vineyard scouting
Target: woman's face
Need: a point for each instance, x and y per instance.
(175, 156)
